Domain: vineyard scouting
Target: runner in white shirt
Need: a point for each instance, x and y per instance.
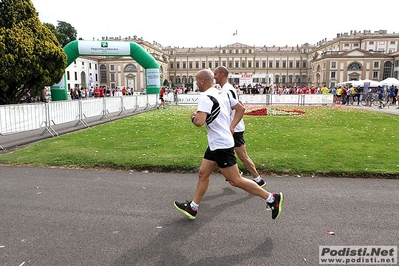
(215, 104)
(221, 73)
(214, 108)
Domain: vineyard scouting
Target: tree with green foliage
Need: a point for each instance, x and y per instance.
(30, 55)
(52, 28)
(64, 32)
(166, 82)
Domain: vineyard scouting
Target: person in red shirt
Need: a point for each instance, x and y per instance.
(343, 95)
(312, 90)
(161, 97)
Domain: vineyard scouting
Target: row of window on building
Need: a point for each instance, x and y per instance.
(236, 64)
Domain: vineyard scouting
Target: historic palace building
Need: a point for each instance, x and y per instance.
(349, 56)
(355, 56)
(247, 64)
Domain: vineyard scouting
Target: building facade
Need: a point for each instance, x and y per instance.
(396, 65)
(268, 66)
(82, 73)
(124, 71)
(350, 56)
(355, 56)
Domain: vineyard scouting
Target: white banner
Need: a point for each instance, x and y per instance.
(104, 48)
(153, 77)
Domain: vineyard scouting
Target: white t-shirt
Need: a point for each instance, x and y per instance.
(229, 88)
(217, 104)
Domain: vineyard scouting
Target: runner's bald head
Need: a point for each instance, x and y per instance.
(204, 79)
(206, 74)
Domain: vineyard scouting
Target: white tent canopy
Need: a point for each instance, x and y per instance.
(372, 83)
(344, 83)
(390, 82)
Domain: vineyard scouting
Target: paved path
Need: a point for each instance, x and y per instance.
(51, 216)
(392, 110)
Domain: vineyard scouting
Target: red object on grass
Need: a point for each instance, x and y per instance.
(294, 111)
(262, 111)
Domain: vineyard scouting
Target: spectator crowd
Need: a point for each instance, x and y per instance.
(342, 94)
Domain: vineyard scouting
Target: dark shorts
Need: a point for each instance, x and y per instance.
(379, 96)
(238, 139)
(391, 96)
(223, 157)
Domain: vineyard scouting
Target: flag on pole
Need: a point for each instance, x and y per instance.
(235, 33)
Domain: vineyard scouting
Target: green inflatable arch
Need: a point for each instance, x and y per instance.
(75, 49)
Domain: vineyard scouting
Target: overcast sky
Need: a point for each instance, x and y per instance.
(186, 23)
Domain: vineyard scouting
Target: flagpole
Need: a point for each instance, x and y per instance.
(235, 34)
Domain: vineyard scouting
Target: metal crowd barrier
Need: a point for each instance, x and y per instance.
(18, 118)
(267, 99)
(24, 117)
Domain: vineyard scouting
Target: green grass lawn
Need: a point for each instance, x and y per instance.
(325, 141)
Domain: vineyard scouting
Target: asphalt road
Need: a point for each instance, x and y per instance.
(51, 216)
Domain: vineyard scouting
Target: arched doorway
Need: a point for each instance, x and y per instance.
(83, 82)
(130, 76)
